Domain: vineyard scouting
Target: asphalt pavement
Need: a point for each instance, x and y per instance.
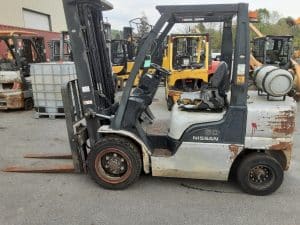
(71, 199)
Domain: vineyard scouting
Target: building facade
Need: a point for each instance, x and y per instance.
(46, 18)
(35, 14)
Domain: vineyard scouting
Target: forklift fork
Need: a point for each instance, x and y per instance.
(77, 134)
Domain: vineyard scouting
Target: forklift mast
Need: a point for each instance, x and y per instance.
(91, 56)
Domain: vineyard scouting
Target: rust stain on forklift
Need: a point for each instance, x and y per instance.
(286, 149)
(284, 123)
(11, 94)
(234, 149)
(11, 100)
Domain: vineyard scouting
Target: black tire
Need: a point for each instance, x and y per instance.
(259, 174)
(170, 103)
(28, 104)
(115, 163)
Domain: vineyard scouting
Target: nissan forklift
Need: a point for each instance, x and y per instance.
(244, 136)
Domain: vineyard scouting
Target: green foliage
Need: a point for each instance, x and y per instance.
(116, 34)
(270, 23)
(281, 26)
(263, 15)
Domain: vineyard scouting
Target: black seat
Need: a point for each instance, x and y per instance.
(212, 95)
(220, 79)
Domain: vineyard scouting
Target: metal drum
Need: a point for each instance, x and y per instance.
(273, 80)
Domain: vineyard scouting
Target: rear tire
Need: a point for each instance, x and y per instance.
(115, 163)
(259, 174)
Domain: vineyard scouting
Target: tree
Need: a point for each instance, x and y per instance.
(116, 34)
(143, 27)
(274, 17)
(263, 15)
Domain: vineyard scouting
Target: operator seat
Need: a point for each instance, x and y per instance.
(212, 96)
(220, 79)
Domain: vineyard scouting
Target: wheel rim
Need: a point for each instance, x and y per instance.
(113, 166)
(261, 176)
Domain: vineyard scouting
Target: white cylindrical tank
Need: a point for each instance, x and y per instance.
(273, 80)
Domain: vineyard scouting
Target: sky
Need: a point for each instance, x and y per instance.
(124, 10)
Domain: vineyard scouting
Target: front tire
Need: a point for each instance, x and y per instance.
(259, 174)
(115, 163)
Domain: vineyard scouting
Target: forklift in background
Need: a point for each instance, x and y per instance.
(249, 139)
(273, 54)
(123, 52)
(65, 53)
(274, 50)
(20, 49)
(187, 56)
(58, 53)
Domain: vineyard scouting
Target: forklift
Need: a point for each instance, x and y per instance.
(274, 50)
(249, 140)
(21, 48)
(123, 52)
(58, 53)
(187, 58)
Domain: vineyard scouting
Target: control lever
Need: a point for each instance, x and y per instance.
(164, 71)
(91, 114)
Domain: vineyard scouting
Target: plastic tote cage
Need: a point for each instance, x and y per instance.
(47, 80)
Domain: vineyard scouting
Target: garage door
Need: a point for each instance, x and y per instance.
(36, 20)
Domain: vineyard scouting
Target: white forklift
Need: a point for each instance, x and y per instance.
(221, 131)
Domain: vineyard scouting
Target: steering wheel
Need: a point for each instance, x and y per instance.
(160, 69)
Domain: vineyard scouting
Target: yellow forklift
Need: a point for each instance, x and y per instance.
(187, 58)
(123, 53)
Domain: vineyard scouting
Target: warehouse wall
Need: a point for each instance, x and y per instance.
(11, 12)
